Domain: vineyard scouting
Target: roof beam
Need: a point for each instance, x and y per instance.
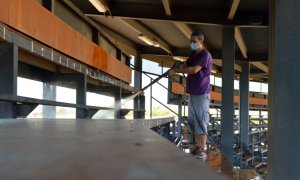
(167, 7)
(141, 29)
(184, 28)
(261, 66)
(240, 41)
(218, 62)
(187, 15)
(234, 6)
(216, 54)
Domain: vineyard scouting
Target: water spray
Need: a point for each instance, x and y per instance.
(119, 104)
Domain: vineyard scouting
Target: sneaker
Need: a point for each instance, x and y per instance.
(195, 150)
(200, 154)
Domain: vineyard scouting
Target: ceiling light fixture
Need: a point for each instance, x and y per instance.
(149, 41)
(98, 5)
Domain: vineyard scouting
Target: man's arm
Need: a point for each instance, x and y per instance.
(186, 70)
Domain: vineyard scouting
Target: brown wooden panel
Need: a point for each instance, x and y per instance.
(217, 96)
(178, 88)
(259, 101)
(34, 20)
(115, 67)
(4, 11)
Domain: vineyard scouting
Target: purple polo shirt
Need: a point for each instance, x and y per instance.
(199, 83)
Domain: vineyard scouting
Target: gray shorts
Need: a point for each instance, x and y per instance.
(198, 117)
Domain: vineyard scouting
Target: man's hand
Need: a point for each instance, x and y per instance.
(171, 72)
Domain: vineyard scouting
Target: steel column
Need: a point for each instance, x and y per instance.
(244, 105)
(151, 95)
(227, 110)
(142, 106)
(284, 124)
(118, 98)
(81, 88)
(8, 77)
(137, 82)
(49, 93)
(179, 118)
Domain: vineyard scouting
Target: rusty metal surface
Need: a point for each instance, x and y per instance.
(92, 149)
(32, 46)
(30, 18)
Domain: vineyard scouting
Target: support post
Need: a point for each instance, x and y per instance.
(284, 78)
(151, 100)
(49, 93)
(227, 115)
(118, 98)
(244, 106)
(179, 118)
(8, 77)
(137, 83)
(81, 86)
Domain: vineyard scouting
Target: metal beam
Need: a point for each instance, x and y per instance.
(219, 63)
(137, 82)
(240, 41)
(234, 6)
(187, 15)
(81, 89)
(244, 106)
(49, 93)
(141, 29)
(261, 66)
(284, 124)
(24, 109)
(118, 98)
(216, 54)
(227, 110)
(167, 7)
(8, 77)
(184, 28)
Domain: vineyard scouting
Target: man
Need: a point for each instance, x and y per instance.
(198, 67)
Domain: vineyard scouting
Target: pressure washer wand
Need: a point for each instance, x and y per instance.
(175, 65)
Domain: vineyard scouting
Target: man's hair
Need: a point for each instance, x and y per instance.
(199, 35)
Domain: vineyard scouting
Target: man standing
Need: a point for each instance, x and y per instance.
(198, 67)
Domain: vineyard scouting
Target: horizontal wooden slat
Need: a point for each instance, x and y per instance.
(178, 88)
(30, 18)
(217, 96)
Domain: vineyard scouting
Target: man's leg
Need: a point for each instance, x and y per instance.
(198, 140)
(201, 140)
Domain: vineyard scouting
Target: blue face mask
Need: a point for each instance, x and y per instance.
(194, 46)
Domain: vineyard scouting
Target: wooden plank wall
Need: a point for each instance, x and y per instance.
(30, 18)
(217, 96)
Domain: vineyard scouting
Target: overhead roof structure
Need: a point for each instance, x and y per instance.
(170, 23)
